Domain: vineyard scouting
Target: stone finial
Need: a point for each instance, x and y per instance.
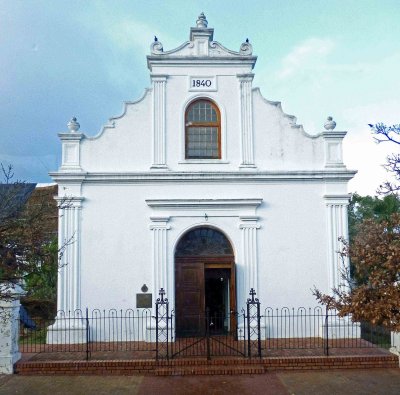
(73, 125)
(202, 21)
(156, 47)
(246, 48)
(330, 124)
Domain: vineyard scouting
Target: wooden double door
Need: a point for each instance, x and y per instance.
(205, 294)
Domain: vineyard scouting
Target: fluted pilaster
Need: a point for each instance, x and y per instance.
(159, 227)
(249, 226)
(246, 119)
(337, 227)
(159, 155)
(69, 275)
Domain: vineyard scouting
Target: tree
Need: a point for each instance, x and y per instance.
(370, 291)
(370, 207)
(29, 252)
(383, 133)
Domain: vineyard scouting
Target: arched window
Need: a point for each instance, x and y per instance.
(203, 241)
(203, 131)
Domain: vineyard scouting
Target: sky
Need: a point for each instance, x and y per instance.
(60, 59)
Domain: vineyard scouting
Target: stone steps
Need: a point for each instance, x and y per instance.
(197, 366)
(210, 370)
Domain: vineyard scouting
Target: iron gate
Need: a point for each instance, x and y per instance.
(215, 334)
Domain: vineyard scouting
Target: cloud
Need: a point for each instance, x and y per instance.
(386, 111)
(130, 33)
(307, 55)
(360, 150)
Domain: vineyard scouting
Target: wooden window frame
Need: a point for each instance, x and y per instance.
(203, 124)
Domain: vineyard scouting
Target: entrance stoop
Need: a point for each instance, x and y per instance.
(200, 366)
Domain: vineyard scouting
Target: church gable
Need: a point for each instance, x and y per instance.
(201, 114)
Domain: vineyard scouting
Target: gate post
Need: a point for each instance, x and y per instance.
(9, 326)
(253, 324)
(162, 326)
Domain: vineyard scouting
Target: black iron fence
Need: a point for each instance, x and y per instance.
(91, 332)
(318, 328)
(164, 334)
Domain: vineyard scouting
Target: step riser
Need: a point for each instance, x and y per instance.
(201, 367)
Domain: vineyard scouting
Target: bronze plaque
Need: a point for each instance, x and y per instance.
(144, 301)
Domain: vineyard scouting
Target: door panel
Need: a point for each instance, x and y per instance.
(189, 291)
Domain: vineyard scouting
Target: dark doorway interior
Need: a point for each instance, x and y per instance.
(216, 284)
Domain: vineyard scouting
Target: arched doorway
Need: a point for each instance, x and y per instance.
(204, 281)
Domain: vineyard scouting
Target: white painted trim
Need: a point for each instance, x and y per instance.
(209, 176)
(246, 119)
(204, 204)
(337, 227)
(203, 161)
(159, 121)
(248, 227)
(159, 227)
(69, 275)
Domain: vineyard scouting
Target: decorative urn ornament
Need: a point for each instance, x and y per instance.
(330, 124)
(73, 125)
(202, 21)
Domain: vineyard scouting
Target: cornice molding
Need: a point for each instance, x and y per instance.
(204, 204)
(159, 60)
(328, 175)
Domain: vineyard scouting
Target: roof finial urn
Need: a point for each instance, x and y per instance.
(73, 125)
(330, 124)
(202, 21)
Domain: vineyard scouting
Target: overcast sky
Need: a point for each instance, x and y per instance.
(60, 59)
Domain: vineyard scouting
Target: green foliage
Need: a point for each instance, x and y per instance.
(370, 207)
(41, 281)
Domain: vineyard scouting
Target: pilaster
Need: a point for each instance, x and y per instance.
(159, 227)
(337, 227)
(249, 225)
(246, 119)
(159, 149)
(69, 232)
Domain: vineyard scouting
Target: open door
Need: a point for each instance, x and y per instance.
(204, 278)
(189, 277)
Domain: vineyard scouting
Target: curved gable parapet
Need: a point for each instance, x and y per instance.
(215, 49)
(112, 121)
(291, 118)
(156, 48)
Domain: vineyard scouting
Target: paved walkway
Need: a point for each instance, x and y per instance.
(352, 382)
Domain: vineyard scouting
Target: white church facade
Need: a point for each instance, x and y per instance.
(201, 187)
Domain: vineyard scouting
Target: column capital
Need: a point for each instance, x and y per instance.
(66, 202)
(245, 77)
(158, 77)
(249, 221)
(337, 199)
(159, 222)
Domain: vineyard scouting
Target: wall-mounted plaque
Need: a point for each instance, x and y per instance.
(202, 83)
(144, 301)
